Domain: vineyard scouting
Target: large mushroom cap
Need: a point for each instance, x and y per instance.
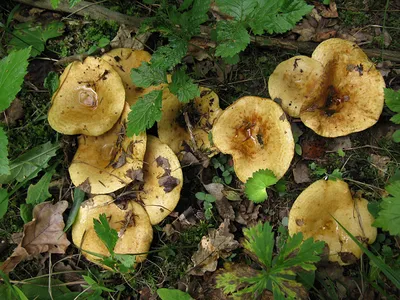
(123, 60)
(202, 112)
(90, 99)
(256, 133)
(353, 99)
(163, 180)
(132, 224)
(108, 162)
(294, 81)
(313, 211)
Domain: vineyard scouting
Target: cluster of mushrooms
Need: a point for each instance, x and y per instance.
(335, 92)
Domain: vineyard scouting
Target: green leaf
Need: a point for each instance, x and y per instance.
(127, 262)
(298, 149)
(29, 34)
(79, 196)
(392, 99)
(238, 9)
(278, 16)
(3, 202)
(26, 212)
(38, 288)
(336, 174)
(389, 214)
(396, 136)
(144, 113)
(168, 56)
(232, 60)
(341, 153)
(95, 286)
(29, 164)
(21, 295)
(255, 187)
(4, 163)
(173, 294)
(147, 75)
(55, 3)
(72, 3)
(260, 241)
(103, 42)
(12, 69)
(395, 119)
(39, 192)
(232, 37)
(183, 87)
(51, 82)
(108, 235)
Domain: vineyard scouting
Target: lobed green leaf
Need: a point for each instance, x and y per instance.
(255, 187)
(183, 87)
(232, 37)
(108, 235)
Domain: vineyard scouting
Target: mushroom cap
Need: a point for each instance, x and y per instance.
(132, 224)
(161, 167)
(256, 133)
(123, 60)
(312, 214)
(110, 161)
(203, 111)
(294, 81)
(353, 98)
(89, 100)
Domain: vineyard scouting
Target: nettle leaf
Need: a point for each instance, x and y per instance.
(3, 202)
(4, 163)
(29, 164)
(255, 187)
(238, 9)
(232, 37)
(35, 35)
(12, 72)
(108, 235)
(168, 56)
(147, 75)
(278, 16)
(183, 87)
(173, 294)
(39, 192)
(144, 113)
(392, 99)
(389, 214)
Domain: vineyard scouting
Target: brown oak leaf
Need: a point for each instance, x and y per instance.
(43, 234)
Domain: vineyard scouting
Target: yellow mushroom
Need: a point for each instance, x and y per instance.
(89, 100)
(314, 209)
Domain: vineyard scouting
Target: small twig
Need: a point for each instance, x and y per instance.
(190, 129)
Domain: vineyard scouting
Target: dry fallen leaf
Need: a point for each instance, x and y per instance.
(301, 173)
(43, 234)
(127, 38)
(219, 243)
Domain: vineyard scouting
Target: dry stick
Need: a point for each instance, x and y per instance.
(98, 12)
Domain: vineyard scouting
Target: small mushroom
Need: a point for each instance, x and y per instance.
(314, 209)
(339, 91)
(108, 162)
(163, 180)
(132, 223)
(89, 100)
(123, 60)
(202, 113)
(294, 81)
(256, 133)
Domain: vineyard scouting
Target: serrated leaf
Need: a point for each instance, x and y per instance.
(260, 241)
(238, 9)
(173, 294)
(168, 56)
(35, 35)
(278, 16)
(4, 163)
(392, 99)
(29, 164)
(39, 192)
(144, 113)
(232, 37)
(336, 174)
(147, 75)
(108, 235)
(395, 119)
(255, 187)
(127, 260)
(389, 214)
(3, 202)
(79, 196)
(12, 72)
(51, 82)
(183, 87)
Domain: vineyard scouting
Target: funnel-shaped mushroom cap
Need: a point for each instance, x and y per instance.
(256, 133)
(162, 180)
(90, 98)
(294, 81)
(353, 98)
(132, 224)
(202, 112)
(313, 211)
(108, 162)
(123, 60)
